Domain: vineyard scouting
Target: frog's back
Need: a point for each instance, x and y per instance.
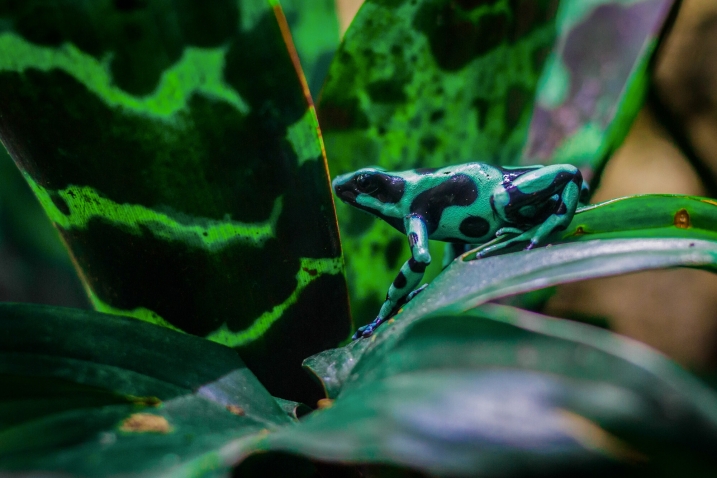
(455, 201)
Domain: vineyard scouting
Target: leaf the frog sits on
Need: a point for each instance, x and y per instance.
(461, 205)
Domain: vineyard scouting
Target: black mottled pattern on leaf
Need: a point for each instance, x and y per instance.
(221, 162)
(197, 306)
(209, 160)
(142, 37)
(456, 39)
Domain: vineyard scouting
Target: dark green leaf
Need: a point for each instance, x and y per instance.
(429, 83)
(293, 410)
(504, 392)
(315, 30)
(80, 392)
(421, 84)
(36, 266)
(616, 237)
(173, 146)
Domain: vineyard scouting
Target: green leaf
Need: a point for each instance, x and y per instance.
(501, 391)
(429, 83)
(315, 30)
(595, 80)
(648, 215)
(616, 237)
(175, 150)
(80, 392)
(293, 410)
(36, 265)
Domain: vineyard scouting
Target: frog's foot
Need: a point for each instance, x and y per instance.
(508, 230)
(525, 236)
(413, 294)
(367, 330)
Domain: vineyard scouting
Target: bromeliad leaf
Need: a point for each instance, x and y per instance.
(594, 81)
(40, 267)
(423, 84)
(411, 78)
(431, 83)
(73, 399)
(315, 31)
(173, 147)
(617, 237)
(501, 391)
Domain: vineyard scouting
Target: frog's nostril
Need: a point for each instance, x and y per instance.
(346, 194)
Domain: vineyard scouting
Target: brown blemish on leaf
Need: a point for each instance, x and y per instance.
(324, 403)
(591, 436)
(146, 401)
(145, 423)
(579, 231)
(682, 219)
(236, 410)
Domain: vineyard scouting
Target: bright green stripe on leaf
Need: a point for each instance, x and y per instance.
(85, 204)
(200, 70)
(139, 313)
(304, 137)
(309, 270)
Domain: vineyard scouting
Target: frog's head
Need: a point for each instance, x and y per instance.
(369, 189)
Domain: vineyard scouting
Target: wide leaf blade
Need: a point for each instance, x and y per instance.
(430, 83)
(174, 147)
(616, 237)
(82, 391)
(501, 391)
(595, 80)
(315, 31)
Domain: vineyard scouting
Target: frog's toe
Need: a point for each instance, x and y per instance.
(413, 294)
(359, 332)
(508, 230)
(531, 245)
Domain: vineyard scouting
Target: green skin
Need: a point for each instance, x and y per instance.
(461, 205)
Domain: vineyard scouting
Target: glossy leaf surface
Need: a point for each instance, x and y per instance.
(36, 266)
(174, 148)
(435, 82)
(500, 391)
(315, 30)
(616, 237)
(595, 80)
(82, 391)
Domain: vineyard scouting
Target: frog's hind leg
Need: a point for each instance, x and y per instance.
(522, 197)
(404, 285)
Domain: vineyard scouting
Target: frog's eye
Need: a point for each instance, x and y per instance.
(364, 183)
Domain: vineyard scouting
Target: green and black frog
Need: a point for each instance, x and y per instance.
(462, 205)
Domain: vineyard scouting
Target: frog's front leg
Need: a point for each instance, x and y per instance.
(545, 199)
(404, 285)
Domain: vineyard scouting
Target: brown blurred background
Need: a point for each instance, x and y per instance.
(672, 310)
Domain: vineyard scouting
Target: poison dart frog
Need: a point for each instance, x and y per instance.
(461, 205)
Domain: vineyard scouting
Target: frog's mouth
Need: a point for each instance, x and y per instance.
(347, 196)
(345, 190)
